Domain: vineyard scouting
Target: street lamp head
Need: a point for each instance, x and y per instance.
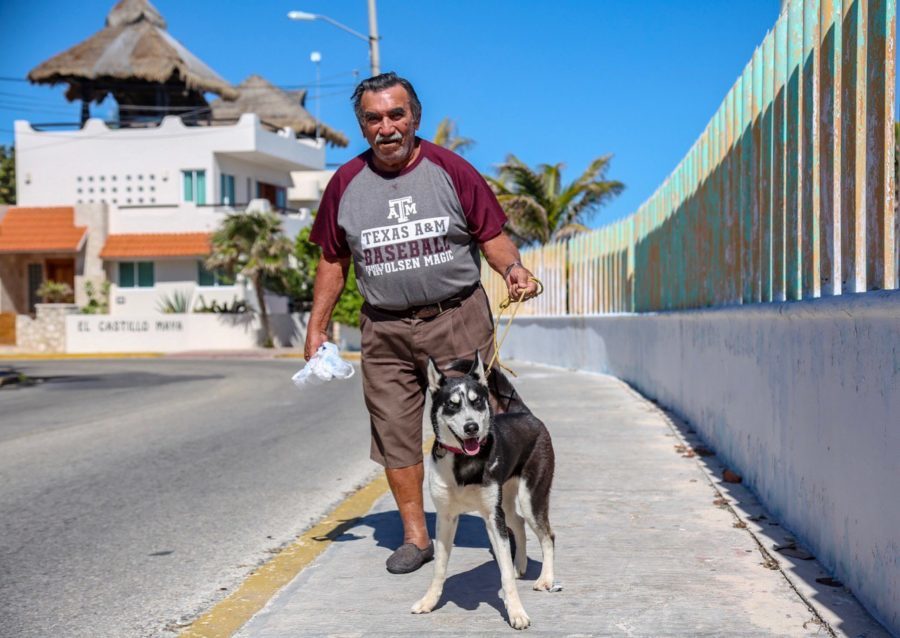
(315, 57)
(301, 15)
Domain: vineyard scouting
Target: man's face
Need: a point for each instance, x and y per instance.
(389, 127)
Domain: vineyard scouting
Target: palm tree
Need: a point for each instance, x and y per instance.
(446, 136)
(252, 245)
(540, 208)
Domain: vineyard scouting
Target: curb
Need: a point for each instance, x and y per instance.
(229, 615)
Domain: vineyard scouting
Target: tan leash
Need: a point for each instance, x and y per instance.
(506, 303)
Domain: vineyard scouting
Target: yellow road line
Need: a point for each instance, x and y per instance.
(228, 616)
(11, 356)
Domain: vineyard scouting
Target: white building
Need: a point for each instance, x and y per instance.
(135, 202)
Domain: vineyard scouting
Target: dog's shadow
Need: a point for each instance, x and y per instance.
(470, 589)
(467, 589)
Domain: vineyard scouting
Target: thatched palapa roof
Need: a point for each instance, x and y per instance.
(277, 106)
(134, 46)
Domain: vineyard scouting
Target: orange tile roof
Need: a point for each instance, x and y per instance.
(28, 230)
(156, 245)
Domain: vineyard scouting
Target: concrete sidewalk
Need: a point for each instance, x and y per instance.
(650, 542)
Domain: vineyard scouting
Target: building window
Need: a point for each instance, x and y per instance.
(140, 274)
(194, 186)
(226, 189)
(212, 277)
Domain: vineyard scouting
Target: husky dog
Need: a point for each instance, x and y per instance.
(487, 464)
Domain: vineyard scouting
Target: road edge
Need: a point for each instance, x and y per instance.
(232, 613)
(228, 616)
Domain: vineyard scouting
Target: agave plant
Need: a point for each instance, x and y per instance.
(176, 303)
(540, 208)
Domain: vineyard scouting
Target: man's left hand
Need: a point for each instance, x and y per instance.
(520, 280)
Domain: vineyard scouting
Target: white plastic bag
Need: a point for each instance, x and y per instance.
(324, 366)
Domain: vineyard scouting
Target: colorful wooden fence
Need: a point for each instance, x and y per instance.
(788, 194)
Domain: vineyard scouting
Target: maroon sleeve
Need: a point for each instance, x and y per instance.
(483, 213)
(325, 230)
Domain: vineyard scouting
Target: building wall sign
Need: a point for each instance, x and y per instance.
(130, 325)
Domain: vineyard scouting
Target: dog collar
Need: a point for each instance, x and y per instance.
(457, 450)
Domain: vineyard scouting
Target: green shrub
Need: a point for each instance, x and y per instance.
(235, 308)
(56, 292)
(98, 301)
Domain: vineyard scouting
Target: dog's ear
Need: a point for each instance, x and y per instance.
(435, 376)
(477, 369)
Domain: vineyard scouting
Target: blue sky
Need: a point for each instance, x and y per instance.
(551, 82)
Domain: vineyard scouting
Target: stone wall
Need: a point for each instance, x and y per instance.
(46, 332)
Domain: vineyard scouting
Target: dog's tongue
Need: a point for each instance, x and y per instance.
(471, 446)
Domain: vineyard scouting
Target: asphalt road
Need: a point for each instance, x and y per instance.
(135, 493)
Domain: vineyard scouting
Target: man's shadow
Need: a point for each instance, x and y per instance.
(466, 589)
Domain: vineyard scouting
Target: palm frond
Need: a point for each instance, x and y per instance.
(527, 218)
(446, 135)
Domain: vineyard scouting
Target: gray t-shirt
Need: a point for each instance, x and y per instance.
(413, 235)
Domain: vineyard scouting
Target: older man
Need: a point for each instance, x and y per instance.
(412, 216)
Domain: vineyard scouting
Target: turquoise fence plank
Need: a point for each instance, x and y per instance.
(793, 176)
(766, 166)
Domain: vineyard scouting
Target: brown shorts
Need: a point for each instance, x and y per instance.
(395, 355)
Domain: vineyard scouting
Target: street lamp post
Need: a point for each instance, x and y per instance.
(315, 57)
(372, 39)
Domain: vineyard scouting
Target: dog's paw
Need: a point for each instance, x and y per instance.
(424, 606)
(518, 619)
(545, 584)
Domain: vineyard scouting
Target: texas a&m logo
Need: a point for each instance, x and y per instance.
(401, 208)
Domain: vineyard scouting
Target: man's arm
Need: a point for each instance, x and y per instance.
(331, 275)
(503, 256)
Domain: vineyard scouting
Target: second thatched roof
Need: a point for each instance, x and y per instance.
(133, 46)
(276, 106)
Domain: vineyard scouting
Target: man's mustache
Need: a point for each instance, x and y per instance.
(381, 139)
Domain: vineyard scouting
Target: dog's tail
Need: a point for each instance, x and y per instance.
(500, 387)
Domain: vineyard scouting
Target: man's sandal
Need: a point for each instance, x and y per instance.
(408, 558)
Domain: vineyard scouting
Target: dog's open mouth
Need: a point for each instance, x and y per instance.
(471, 446)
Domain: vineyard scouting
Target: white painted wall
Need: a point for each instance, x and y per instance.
(146, 163)
(172, 275)
(177, 333)
(307, 188)
(802, 399)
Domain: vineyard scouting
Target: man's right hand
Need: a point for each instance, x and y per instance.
(314, 339)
